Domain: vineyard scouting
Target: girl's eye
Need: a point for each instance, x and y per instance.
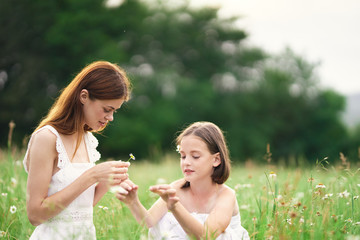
(196, 157)
(182, 157)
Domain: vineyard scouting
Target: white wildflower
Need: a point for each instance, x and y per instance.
(13, 182)
(13, 209)
(2, 233)
(4, 194)
(320, 185)
(344, 194)
(161, 181)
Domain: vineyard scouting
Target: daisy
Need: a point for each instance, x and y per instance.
(13, 209)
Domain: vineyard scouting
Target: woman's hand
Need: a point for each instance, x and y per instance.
(127, 192)
(112, 172)
(167, 193)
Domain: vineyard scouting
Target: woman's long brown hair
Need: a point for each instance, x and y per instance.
(103, 80)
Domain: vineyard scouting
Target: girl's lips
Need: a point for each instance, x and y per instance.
(188, 171)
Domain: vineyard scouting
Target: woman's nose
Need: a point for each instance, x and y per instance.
(109, 117)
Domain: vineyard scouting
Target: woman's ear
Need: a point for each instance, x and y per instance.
(84, 96)
(217, 160)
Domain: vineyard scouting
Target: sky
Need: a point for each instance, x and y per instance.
(324, 31)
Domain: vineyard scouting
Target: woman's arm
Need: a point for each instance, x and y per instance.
(42, 155)
(149, 218)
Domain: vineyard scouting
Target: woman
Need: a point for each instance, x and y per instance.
(63, 181)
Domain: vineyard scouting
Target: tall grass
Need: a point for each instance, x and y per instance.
(275, 202)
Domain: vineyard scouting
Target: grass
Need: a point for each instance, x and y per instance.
(321, 202)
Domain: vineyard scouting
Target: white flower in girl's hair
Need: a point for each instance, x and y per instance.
(178, 148)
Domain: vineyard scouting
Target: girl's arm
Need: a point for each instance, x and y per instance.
(149, 218)
(42, 155)
(217, 221)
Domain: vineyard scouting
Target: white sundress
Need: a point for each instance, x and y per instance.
(168, 228)
(76, 220)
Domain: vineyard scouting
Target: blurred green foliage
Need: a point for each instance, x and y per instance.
(186, 65)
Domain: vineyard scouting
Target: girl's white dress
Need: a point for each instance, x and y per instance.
(76, 220)
(169, 228)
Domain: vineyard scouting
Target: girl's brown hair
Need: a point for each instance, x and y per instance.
(103, 81)
(216, 143)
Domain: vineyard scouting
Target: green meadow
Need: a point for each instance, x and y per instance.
(318, 202)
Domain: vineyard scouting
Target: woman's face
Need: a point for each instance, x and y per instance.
(98, 113)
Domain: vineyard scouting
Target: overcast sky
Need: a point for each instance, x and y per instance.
(325, 31)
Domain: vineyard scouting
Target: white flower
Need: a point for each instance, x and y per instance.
(358, 185)
(161, 181)
(320, 185)
(357, 223)
(244, 207)
(178, 148)
(288, 221)
(13, 182)
(132, 157)
(105, 208)
(2, 233)
(301, 220)
(356, 197)
(327, 196)
(13, 209)
(4, 194)
(272, 175)
(101, 206)
(348, 220)
(344, 194)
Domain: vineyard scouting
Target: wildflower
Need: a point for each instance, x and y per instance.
(132, 157)
(105, 208)
(13, 182)
(327, 196)
(301, 220)
(320, 185)
(272, 175)
(12, 209)
(2, 233)
(344, 194)
(288, 221)
(244, 207)
(358, 185)
(318, 214)
(293, 215)
(357, 223)
(161, 181)
(101, 206)
(254, 219)
(348, 220)
(178, 148)
(4, 194)
(356, 197)
(310, 179)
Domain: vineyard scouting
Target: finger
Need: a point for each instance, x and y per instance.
(120, 164)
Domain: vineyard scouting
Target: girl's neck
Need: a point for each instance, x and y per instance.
(203, 188)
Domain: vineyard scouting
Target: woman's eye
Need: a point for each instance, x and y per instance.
(106, 110)
(196, 157)
(182, 157)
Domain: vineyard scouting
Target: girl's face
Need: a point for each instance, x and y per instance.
(197, 162)
(98, 113)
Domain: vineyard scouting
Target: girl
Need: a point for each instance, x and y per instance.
(63, 182)
(200, 205)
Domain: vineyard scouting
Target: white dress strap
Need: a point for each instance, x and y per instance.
(91, 145)
(62, 156)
